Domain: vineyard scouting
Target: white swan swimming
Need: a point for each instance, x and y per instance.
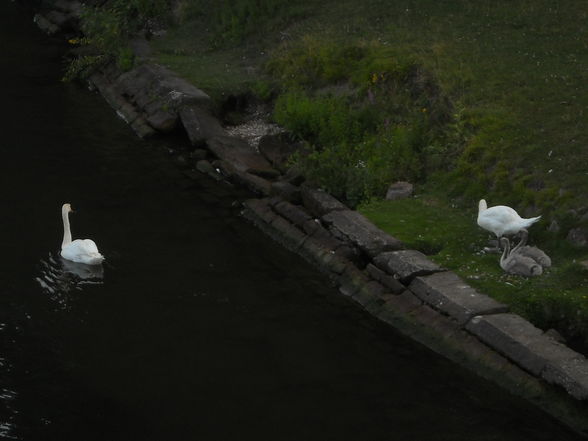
(79, 250)
(514, 263)
(502, 220)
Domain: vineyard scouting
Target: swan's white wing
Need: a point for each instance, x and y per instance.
(89, 246)
(83, 251)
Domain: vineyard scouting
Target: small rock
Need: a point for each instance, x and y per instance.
(578, 237)
(204, 166)
(553, 226)
(399, 190)
(555, 335)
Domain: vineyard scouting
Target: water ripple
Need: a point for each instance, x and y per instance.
(59, 277)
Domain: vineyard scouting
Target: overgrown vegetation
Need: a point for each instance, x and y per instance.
(106, 30)
(369, 115)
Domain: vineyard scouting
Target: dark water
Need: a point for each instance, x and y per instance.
(199, 328)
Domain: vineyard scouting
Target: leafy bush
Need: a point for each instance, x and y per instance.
(107, 28)
(359, 108)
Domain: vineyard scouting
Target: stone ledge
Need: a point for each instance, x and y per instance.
(406, 264)
(358, 230)
(200, 125)
(449, 294)
(319, 202)
(240, 155)
(535, 352)
(390, 282)
(511, 335)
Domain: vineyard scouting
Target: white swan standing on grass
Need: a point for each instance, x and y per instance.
(79, 250)
(502, 220)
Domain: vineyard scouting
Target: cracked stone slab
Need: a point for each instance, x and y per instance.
(258, 210)
(294, 213)
(448, 293)
(393, 285)
(534, 351)
(199, 124)
(569, 371)
(358, 230)
(241, 156)
(406, 264)
(511, 335)
(319, 202)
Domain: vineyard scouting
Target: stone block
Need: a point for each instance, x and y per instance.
(258, 210)
(203, 166)
(570, 372)
(253, 182)
(288, 234)
(141, 128)
(390, 282)
(294, 213)
(351, 280)
(240, 155)
(287, 191)
(449, 294)
(534, 351)
(359, 231)
(199, 124)
(406, 264)
(399, 190)
(369, 292)
(398, 307)
(319, 202)
(403, 303)
(163, 121)
(510, 335)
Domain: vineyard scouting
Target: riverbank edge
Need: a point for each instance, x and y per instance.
(400, 287)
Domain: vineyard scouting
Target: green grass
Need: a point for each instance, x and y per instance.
(514, 71)
(503, 86)
(557, 299)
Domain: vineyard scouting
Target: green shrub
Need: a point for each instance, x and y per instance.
(360, 171)
(364, 118)
(107, 28)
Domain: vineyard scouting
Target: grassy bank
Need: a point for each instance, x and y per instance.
(558, 299)
(466, 99)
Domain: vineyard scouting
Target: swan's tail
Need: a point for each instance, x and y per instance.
(526, 223)
(96, 259)
(530, 221)
(482, 205)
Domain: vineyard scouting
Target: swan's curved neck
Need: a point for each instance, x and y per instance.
(482, 205)
(524, 236)
(506, 251)
(66, 230)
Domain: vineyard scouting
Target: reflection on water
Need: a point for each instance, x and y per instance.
(59, 277)
(7, 421)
